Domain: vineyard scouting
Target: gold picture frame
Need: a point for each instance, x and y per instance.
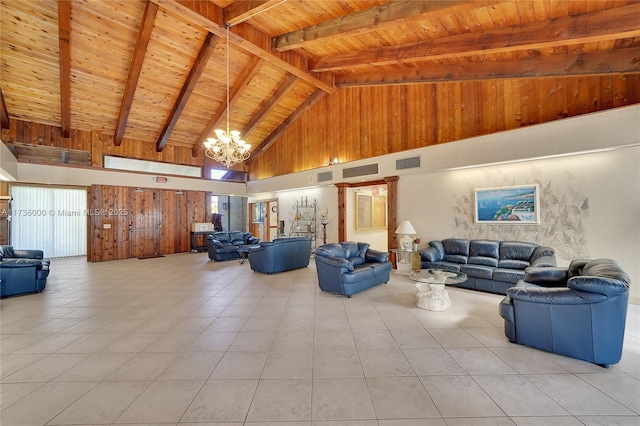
(370, 211)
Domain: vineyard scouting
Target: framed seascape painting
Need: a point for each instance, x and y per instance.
(508, 205)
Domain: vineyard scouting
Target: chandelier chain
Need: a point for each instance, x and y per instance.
(227, 79)
(227, 148)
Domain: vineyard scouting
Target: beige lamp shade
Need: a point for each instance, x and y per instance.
(405, 229)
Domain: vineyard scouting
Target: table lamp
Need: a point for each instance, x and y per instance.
(405, 229)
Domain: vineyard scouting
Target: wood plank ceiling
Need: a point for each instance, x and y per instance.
(154, 71)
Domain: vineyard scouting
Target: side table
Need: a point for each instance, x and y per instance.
(404, 261)
(243, 251)
(194, 241)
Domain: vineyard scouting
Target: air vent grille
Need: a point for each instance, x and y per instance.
(369, 169)
(325, 176)
(408, 163)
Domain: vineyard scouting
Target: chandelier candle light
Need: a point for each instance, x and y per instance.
(227, 148)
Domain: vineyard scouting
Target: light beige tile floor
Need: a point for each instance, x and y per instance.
(184, 340)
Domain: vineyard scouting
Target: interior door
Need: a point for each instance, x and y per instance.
(145, 224)
(272, 219)
(257, 212)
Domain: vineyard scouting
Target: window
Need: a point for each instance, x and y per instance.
(230, 175)
(214, 204)
(50, 219)
(131, 164)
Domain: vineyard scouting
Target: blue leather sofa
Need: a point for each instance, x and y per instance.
(491, 266)
(579, 311)
(281, 254)
(224, 245)
(22, 271)
(348, 267)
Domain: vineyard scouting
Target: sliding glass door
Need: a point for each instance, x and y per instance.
(52, 219)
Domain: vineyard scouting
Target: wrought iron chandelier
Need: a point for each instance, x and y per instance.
(227, 148)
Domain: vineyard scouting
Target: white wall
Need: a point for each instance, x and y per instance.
(8, 164)
(326, 199)
(590, 206)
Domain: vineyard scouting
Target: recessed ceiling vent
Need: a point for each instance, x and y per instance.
(369, 169)
(408, 163)
(325, 176)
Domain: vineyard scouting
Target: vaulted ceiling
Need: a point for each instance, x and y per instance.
(155, 71)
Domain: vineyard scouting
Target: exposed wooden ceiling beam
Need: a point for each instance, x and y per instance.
(241, 11)
(64, 25)
(366, 21)
(187, 89)
(148, 19)
(189, 10)
(610, 24)
(297, 113)
(619, 61)
(282, 91)
(216, 122)
(5, 123)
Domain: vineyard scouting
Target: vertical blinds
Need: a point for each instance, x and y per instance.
(50, 219)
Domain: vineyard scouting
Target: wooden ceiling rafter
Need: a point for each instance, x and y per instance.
(280, 93)
(246, 43)
(297, 113)
(123, 67)
(187, 89)
(144, 36)
(618, 61)
(565, 31)
(366, 21)
(242, 11)
(5, 123)
(64, 28)
(250, 71)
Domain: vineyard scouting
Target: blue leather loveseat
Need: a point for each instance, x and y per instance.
(225, 245)
(579, 311)
(491, 266)
(348, 267)
(22, 271)
(281, 254)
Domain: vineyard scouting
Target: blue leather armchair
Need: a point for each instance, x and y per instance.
(578, 312)
(348, 267)
(22, 271)
(281, 254)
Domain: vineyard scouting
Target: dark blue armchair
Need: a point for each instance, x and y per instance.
(578, 312)
(347, 268)
(22, 271)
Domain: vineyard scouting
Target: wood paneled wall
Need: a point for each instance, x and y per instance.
(143, 222)
(361, 122)
(97, 143)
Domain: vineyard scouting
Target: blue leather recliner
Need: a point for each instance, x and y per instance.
(281, 254)
(579, 311)
(22, 271)
(348, 267)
